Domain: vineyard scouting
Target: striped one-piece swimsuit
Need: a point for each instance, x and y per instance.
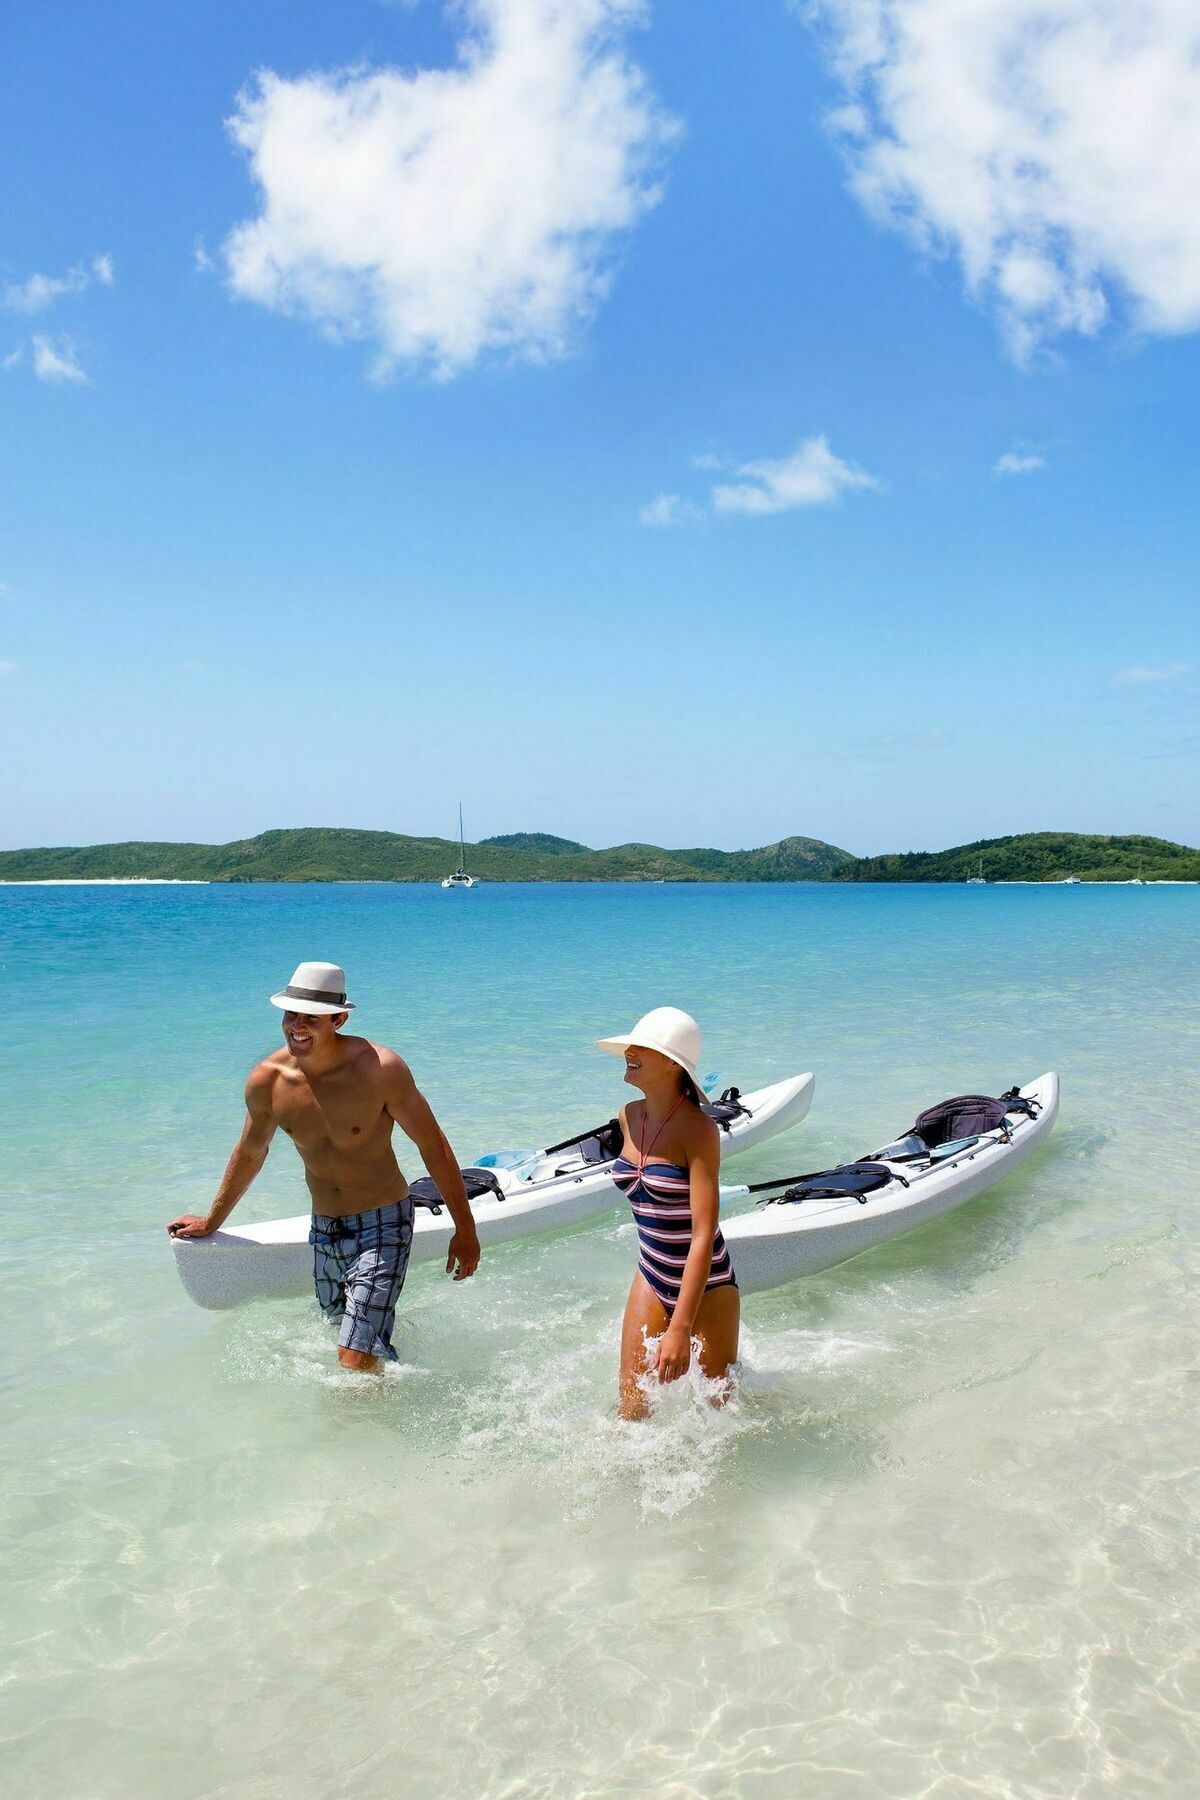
(658, 1195)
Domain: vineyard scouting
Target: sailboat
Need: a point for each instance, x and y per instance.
(1136, 880)
(460, 878)
(979, 880)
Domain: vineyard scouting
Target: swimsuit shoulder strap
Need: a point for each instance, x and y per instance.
(643, 1148)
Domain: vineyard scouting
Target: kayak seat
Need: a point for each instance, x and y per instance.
(969, 1115)
(728, 1108)
(599, 1145)
(850, 1181)
(425, 1192)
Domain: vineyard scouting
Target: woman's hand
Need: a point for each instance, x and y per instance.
(674, 1353)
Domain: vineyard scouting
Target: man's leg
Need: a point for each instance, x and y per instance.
(373, 1282)
(329, 1274)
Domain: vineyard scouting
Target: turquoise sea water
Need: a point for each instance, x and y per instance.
(941, 1543)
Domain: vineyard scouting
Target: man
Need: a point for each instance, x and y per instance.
(338, 1099)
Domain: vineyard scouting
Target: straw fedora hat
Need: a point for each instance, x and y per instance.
(314, 988)
(668, 1030)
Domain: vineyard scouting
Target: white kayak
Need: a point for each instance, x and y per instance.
(782, 1241)
(273, 1260)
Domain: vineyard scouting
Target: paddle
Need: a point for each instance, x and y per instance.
(763, 1187)
(513, 1160)
(706, 1084)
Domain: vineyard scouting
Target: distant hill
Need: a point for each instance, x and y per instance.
(535, 840)
(792, 859)
(329, 854)
(1035, 856)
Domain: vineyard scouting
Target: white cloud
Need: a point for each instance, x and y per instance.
(56, 363)
(9, 668)
(448, 212)
(669, 509)
(203, 260)
(1053, 146)
(1018, 462)
(41, 291)
(1142, 676)
(811, 476)
(13, 358)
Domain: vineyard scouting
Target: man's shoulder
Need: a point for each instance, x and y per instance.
(265, 1074)
(371, 1056)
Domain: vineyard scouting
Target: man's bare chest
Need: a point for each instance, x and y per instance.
(350, 1117)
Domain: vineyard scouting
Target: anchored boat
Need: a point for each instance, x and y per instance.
(460, 878)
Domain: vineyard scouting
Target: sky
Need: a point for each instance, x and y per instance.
(698, 422)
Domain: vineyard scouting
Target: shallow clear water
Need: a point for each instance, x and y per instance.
(941, 1543)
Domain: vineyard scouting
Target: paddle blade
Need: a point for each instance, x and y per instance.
(515, 1160)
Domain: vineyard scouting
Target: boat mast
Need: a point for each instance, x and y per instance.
(462, 845)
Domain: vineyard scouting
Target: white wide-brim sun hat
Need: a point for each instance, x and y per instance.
(314, 988)
(668, 1030)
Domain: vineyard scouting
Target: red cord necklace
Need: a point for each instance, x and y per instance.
(642, 1151)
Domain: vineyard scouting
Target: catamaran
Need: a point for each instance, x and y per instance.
(460, 878)
(979, 880)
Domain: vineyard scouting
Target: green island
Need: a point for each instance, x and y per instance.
(1035, 856)
(329, 854)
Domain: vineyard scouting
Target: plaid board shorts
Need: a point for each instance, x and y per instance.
(359, 1264)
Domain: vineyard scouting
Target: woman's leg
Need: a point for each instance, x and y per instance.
(717, 1324)
(644, 1313)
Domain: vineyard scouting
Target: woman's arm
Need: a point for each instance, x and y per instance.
(704, 1159)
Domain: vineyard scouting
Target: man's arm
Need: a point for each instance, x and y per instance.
(414, 1115)
(248, 1158)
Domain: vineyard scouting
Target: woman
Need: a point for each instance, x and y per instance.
(668, 1167)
